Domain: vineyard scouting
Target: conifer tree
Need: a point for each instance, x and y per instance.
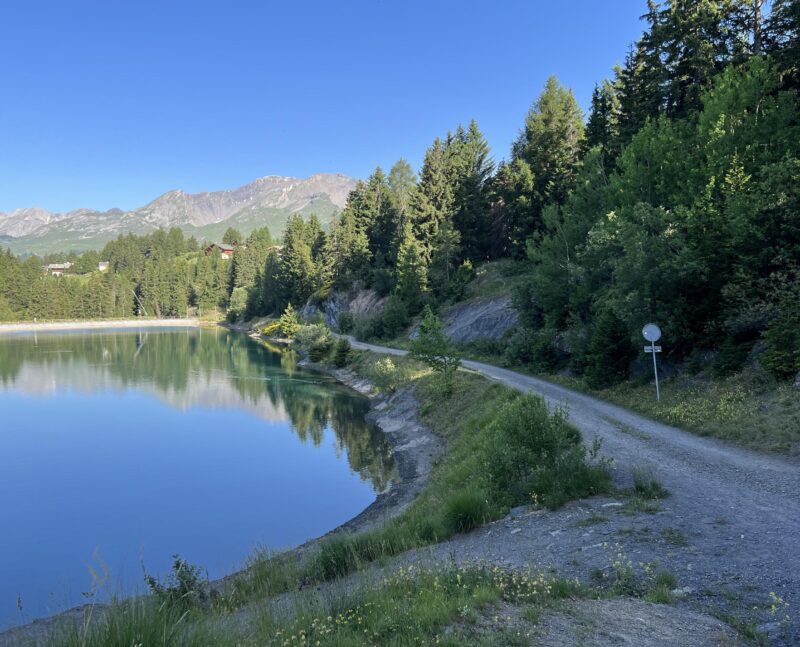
(432, 202)
(412, 272)
(472, 207)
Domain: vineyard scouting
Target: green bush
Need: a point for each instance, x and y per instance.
(610, 351)
(342, 353)
(543, 351)
(316, 339)
(782, 337)
(367, 328)
(394, 318)
(520, 346)
(345, 322)
(384, 374)
(484, 347)
(533, 452)
(465, 511)
(184, 588)
(271, 329)
(730, 357)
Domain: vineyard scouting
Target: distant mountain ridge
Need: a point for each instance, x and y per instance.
(266, 201)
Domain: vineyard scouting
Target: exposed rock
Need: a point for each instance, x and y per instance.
(360, 303)
(485, 319)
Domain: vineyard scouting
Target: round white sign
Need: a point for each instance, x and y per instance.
(651, 332)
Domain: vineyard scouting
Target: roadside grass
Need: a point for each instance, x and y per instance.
(419, 606)
(386, 372)
(411, 606)
(463, 492)
(485, 425)
(749, 408)
(466, 489)
(659, 588)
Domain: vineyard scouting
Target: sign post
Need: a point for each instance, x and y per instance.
(652, 333)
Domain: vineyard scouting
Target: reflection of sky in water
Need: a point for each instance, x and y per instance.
(194, 453)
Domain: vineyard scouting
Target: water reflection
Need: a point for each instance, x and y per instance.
(204, 367)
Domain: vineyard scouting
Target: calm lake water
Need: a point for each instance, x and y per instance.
(119, 449)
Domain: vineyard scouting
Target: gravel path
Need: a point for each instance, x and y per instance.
(730, 529)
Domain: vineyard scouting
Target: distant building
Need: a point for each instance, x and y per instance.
(225, 250)
(58, 269)
(103, 266)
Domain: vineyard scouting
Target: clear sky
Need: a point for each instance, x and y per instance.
(111, 103)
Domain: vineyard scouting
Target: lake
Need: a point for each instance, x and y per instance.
(119, 449)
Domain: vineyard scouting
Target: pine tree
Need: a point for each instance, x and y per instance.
(434, 348)
(551, 141)
(432, 202)
(782, 39)
(602, 127)
(288, 322)
(472, 206)
(412, 273)
(297, 271)
(445, 260)
(232, 236)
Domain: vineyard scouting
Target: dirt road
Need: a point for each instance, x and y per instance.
(730, 528)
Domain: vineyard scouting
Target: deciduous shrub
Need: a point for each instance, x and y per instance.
(316, 339)
(272, 328)
(433, 347)
(532, 451)
(184, 587)
(384, 374)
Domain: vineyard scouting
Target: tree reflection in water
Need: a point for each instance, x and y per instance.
(207, 368)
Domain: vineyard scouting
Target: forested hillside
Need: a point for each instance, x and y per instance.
(162, 274)
(677, 199)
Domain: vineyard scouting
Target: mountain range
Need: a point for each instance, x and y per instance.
(269, 201)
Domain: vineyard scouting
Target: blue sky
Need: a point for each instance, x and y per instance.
(109, 103)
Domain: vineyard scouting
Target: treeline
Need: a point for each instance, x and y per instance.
(677, 201)
(162, 274)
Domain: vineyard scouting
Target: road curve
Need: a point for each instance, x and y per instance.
(745, 505)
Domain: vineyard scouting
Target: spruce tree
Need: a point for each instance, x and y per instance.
(432, 202)
(412, 272)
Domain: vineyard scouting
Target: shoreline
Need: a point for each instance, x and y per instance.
(14, 328)
(414, 449)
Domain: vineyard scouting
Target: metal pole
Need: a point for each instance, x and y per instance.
(655, 369)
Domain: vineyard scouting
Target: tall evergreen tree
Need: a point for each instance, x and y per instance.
(473, 169)
(412, 271)
(433, 201)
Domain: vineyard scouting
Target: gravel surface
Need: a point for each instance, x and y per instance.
(729, 530)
